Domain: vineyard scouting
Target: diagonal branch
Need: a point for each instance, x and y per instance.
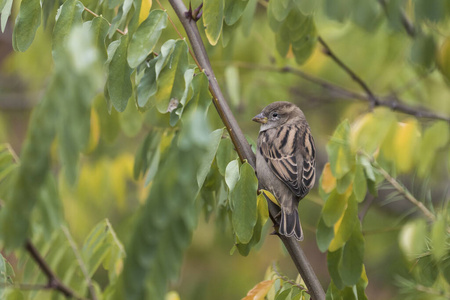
(401, 189)
(53, 281)
(327, 50)
(240, 142)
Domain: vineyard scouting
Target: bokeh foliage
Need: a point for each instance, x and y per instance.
(122, 80)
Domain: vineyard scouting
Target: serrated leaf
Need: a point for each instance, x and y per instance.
(352, 259)
(243, 198)
(69, 16)
(146, 36)
(214, 140)
(213, 11)
(27, 22)
(119, 83)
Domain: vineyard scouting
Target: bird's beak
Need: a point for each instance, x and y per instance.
(260, 119)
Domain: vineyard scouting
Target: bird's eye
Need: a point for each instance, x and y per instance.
(274, 115)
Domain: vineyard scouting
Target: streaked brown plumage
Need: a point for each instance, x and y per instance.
(285, 160)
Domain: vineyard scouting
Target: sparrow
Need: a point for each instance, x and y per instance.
(285, 161)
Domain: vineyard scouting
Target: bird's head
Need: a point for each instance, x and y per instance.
(279, 113)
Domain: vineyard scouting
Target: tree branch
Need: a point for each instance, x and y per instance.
(53, 281)
(327, 50)
(391, 101)
(242, 147)
(406, 22)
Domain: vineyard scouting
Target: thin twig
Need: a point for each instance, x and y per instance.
(240, 142)
(53, 281)
(406, 22)
(401, 189)
(80, 263)
(327, 50)
(287, 279)
(390, 101)
(96, 15)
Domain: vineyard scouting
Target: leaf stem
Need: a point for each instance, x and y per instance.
(96, 15)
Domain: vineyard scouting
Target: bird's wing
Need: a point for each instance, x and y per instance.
(285, 147)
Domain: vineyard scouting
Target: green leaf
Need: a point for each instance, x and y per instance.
(214, 140)
(119, 83)
(146, 36)
(280, 9)
(69, 15)
(176, 113)
(5, 13)
(170, 79)
(232, 174)
(234, 10)
(334, 207)
(339, 153)
(233, 84)
(426, 270)
(444, 267)
(338, 10)
(429, 11)
(345, 227)
(324, 235)
(109, 122)
(102, 246)
(147, 87)
(352, 259)
(243, 198)
(201, 96)
(439, 238)
(6, 276)
(334, 259)
(423, 51)
(27, 22)
(342, 184)
(360, 184)
(148, 151)
(413, 238)
(99, 29)
(434, 139)
(131, 119)
(225, 154)
(213, 11)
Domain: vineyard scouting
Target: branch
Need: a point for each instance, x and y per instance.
(406, 22)
(242, 147)
(327, 50)
(96, 15)
(285, 278)
(401, 189)
(390, 101)
(53, 281)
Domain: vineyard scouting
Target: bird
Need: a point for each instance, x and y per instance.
(285, 161)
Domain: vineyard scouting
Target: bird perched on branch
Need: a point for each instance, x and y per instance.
(285, 161)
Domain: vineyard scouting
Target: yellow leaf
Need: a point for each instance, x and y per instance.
(94, 133)
(172, 295)
(405, 144)
(271, 197)
(443, 59)
(259, 291)
(145, 10)
(328, 180)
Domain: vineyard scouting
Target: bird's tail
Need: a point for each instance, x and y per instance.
(290, 224)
